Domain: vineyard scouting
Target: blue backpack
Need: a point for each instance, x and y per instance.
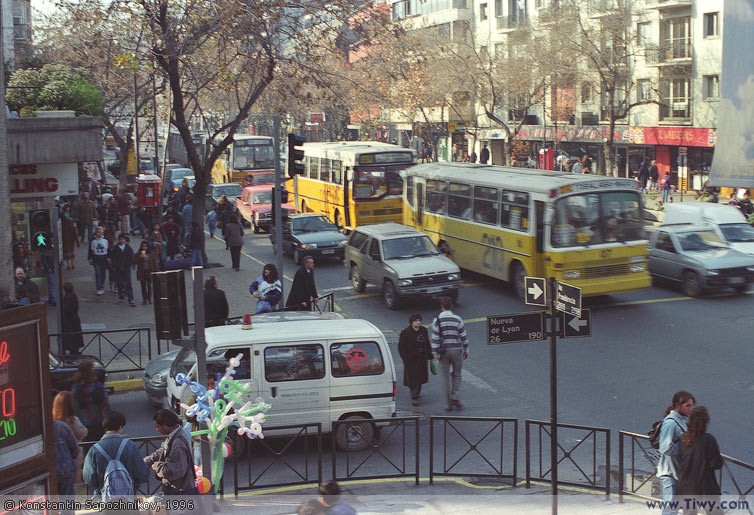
(118, 483)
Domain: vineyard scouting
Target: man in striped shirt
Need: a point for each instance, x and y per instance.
(450, 346)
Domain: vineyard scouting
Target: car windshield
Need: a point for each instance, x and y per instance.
(183, 362)
(593, 218)
(178, 174)
(738, 232)
(699, 240)
(312, 224)
(262, 197)
(413, 246)
(231, 190)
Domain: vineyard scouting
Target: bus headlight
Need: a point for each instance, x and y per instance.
(636, 259)
(638, 267)
(404, 282)
(572, 274)
(453, 277)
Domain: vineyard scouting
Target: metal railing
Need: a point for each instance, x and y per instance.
(583, 479)
(278, 451)
(467, 449)
(121, 350)
(376, 446)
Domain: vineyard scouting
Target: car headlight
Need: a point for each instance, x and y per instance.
(342, 243)
(639, 267)
(713, 272)
(404, 282)
(750, 268)
(308, 245)
(572, 274)
(159, 378)
(453, 277)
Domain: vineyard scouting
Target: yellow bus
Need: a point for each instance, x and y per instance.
(353, 182)
(249, 160)
(508, 223)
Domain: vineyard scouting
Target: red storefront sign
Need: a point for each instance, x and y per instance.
(680, 136)
(670, 136)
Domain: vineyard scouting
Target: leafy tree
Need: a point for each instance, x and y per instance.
(55, 87)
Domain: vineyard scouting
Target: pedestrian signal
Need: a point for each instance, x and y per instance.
(40, 231)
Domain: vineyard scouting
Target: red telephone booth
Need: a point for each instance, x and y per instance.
(546, 159)
(148, 190)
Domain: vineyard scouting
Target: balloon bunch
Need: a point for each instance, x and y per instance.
(223, 408)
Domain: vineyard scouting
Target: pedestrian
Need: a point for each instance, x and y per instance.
(90, 399)
(186, 216)
(21, 256)
(329, 496)
(577, 166)
(49, 265)
(733, 199)
(113, 446)
(122, 257)
(224, 215)
(666, 184)
(234, 235)
(267, 289)
(23, 296)
(108, 214)
(195, 244)
(66, 452)
(450, 346)
(303, 290)
(156, 240)
(124, 211)
(70, 237)
(23, 281)
(643, 176)
(171, 232)
(215, 304)
(654, 174)
(311, 507)
(183, 194)
(673, 427)
(415, 351)
(172, 211)
(745, 205)
(63, 410)
(173, 462)
(472, 157)
(698, 459)
(484, 155)
(146, 263)
(86, 212)
(139, 223)
(212, 223)
(73, 339)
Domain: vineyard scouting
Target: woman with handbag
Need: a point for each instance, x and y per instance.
(415, 350)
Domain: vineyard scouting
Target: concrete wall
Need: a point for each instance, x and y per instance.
(54, 140)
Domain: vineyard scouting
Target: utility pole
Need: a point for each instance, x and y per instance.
(6, 280)
(277, 199)
(553, 397)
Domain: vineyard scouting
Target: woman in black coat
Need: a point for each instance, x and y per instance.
(698, 458)
(73, 340)
(415, 350)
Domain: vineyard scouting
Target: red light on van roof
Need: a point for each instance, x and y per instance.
(553, 193)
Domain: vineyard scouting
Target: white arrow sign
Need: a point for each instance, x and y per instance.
(577, 323)
(536, 291)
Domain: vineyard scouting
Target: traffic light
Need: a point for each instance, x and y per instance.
(295, 156)
(283, 196)
(170, 306)
(40, 231)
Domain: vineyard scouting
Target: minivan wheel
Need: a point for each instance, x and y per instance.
(390, 294)
(354, 437)
(691, 284)
(356, 281)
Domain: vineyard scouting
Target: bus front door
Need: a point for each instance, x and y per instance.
(419, 205)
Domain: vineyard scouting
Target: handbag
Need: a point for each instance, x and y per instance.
(433, 367)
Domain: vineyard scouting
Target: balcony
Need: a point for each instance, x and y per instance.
(549, 14)
(676, 53)
(603, 8)
(510, 23)
(668, 4)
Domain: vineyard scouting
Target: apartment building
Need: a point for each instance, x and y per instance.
(673, 65)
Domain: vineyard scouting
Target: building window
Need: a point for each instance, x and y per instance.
(675, 95)
(642, 33)
(711, 86)
(711, 25)
(483, 12)
(498, 8)
(675, 34)
(642, 90)
(586, 93)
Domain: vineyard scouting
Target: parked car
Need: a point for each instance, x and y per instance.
(727, 221)
(254, 207)
(214, 191)
(62, 369)
(155, 378)
(310, 234)
(402, 261)
(697, 258)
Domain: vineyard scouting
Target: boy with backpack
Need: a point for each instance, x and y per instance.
(113, 467)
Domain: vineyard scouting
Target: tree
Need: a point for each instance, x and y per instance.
(55, 87)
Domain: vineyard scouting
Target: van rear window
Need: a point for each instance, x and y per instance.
(356, 359)
(294, 363)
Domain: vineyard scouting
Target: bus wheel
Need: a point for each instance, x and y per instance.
(445, 249)
(518, 274)
(338, 221)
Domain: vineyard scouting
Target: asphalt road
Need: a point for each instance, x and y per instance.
(645, 346)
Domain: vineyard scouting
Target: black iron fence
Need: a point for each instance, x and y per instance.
(478, 442)
(121, 350)
(582, 460)
(376, 445)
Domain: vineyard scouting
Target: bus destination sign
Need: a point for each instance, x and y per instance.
(386, 157)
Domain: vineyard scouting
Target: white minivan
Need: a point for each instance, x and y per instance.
(727, 221)
(310, 367)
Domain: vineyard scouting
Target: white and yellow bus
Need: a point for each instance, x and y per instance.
(353, 182)
(508, 223)
(250, 160)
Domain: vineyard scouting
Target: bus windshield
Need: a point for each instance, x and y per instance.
(248, 157)
(371, 183)
(594, 218)
(404, 248)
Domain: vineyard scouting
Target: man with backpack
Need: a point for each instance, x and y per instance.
(113, 467)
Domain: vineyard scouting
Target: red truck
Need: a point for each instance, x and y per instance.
(254, 207)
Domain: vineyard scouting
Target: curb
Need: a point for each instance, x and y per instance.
(126, 385)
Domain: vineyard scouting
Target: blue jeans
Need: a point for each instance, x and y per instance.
(123, 282)
(99, 275)
(196, 257)
(669, 485)
(89, 232)
(212, 228)
(665, 193)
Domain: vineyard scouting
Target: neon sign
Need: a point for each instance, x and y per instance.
(7, 397)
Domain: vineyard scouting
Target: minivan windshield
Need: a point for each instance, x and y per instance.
(413, 246)
(738, 232)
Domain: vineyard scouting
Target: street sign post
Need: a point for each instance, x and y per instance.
(534, 287)
(568, 298)
(572, 326)
(520, 327)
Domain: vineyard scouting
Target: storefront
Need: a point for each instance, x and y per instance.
(684, 152)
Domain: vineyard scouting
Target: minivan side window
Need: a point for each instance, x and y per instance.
(294, 363)
(356, 359)
(357, 240)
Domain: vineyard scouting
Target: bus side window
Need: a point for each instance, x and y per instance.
(486, 206)
(436, 196)
(324, 170)
(459, 200)
(515, 212)
(336, 167)
(307, 166)
(410, 191)
(314, 170)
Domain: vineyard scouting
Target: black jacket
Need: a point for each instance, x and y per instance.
(697, 465)
(302, 289)
(71, 323)
(415, 350)
(122, 259)
(215, 307)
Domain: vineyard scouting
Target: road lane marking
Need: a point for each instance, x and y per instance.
(480, 383)
(340, 288)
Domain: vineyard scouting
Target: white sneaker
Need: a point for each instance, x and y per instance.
(100, 292)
